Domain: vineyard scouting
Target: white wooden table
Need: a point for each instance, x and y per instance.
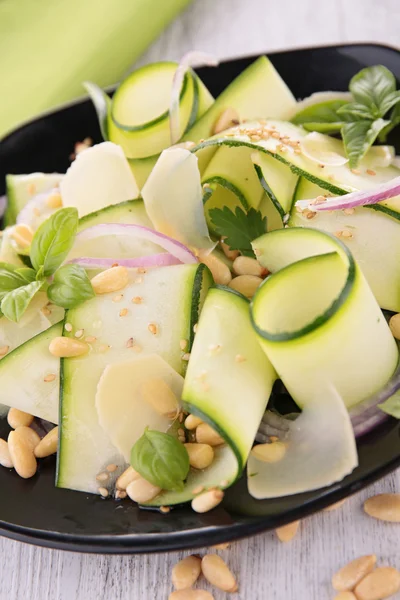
(266, 569)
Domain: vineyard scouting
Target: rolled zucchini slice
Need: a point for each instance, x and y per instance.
(139, 115)
(317, 318)
(373, 237)
(277, 181)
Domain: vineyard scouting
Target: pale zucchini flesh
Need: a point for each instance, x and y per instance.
(20, 189)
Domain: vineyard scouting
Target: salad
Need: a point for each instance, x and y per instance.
(213, 289)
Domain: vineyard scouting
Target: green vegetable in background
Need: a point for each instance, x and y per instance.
(48, 47)
(161, 459)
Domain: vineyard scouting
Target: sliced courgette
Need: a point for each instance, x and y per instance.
(317, 318)
(171, 300)
(277, 180)
(372, 236)
(22, 188)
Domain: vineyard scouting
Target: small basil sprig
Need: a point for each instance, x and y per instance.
(71, 286)
(50, 247)
(362, 120)
(161, 459)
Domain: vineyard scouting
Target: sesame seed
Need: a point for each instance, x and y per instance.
(349, 211)
(102, 476)
(214, 348)
(186, 356)
(103, 492)
(371, 172)
(4, 350)
(181, 432)
(299, 209)
(275, 135)
(104, 347)
(123, 312)
(141, 270)
(139, 280)
(321, 166)
(183, 344)
(165, 509)
(31, 189)
(198, 489)
(309, 214)
(90, 339)
(255, 138)
(297, 151)
(152, 327)
(120, 494)
(118, 298)
(206, 185)
(195, 326)
(137, 300)
(347, 234)
(224, 483)
(115, 265)
(49, 378)
(129, 343)
(338, 234)
(68, 327)
(356, 171)
(111, 468)
(46, 311)
(136, 348)
(79, 333)
(257, 252)
(239, 358)
(181, 417)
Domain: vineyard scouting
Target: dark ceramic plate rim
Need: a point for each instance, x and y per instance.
(209, 533)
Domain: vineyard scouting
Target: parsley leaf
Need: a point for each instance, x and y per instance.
(239, 228)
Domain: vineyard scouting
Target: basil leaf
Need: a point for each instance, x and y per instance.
(371, 86)
(161, 459)
(392, 406)
(102, 105)
(27, 274)
(322, 117)
(9, 279)
(71, 286)
(53, 240)
(359, 136)
(15, 303)
(394, 122)
(391, 100)
(355, 110)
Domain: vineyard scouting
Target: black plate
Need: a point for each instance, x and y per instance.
(34, 510)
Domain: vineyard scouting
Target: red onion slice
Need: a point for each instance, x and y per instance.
(155, 260)
(386, 190)
(181, 252)
(190, 59)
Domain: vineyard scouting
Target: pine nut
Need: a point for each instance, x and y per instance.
(244, 265)
(191, 422)
(246, 284)
(5, 456)
(186, 572)
(126, 478)
(23, 235)
(269, 453)
(394, 325)
(345, 596)
(385, 507)
(103, 492)
(287, 532)
(142, 490)
(120, 495)
(228, 118)
(4, 350)
(102, 477)
(231, 254)
(351, 574)
(207, 501)
(110, 280)
(19, 418)
(30, 435)
(54, 200)
(48, 445)
(380, 584)
(200, 455)
(206, 435)
(159, 395)
(335, 506)
(217, 572)
(64, 347)
(21, 453)
(223, 546)
(219, 270)
(190, 595)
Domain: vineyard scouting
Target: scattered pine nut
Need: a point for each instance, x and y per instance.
(351, 574)
(159, 395)
(394, 324)
(347, 234)
(165, 509)
(191, 422)
(103, 492)
(19, 418)
(269, 453)
(140, 490)
(217, 572)
(23, 235)
(345, 596)
(64, 347)
(186, 356)
(123, 312)
(137, 300)
(223, 546)
(206, 435)
(126, 478)
(244, 265)
(21, 453)
(110, 280)
(335, 505)
(370, 172)
(111, 468)
(190, 595)
(380, 584)
(246, 284)
(4, 350)
(200, 455)
(385, 507)
(120, 495)
(54, 200)
(68, 327)
(231, 254)
(79, 333)
(5, 456)
(90, 339)
(118, 298)
(48, 445)
(102, 476)
(349, 211)
(186, 572)
(206, 501)
(287, 532)
(219, 270)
